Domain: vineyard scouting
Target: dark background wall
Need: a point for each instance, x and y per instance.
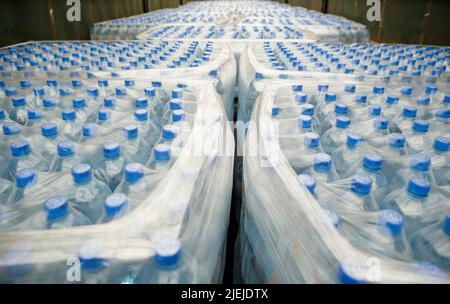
(403, 21)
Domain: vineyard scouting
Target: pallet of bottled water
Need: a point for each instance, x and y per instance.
(119, 59)
(346, 183)
(111, 178)
(387, 63)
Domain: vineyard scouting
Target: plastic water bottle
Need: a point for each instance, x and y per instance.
(403, 122)
(417, 138)
(372, 165)
(70, 126)
(161, 160)
(65, 158)
(346, 156)
(391, 107)
(19, 111)
(24, 158)
(419, 166)
(110, 169)
(46, 145)
(34, 117)
(134, 149)
(373, 111)
(322, 169)
(415, 203)
(378, 135)
(87, 193)
(431, 243)
(116, 206)
(440, 159)
(305, 124)
(150, 131)
(336, 136)
(169, 266)
(56, 214)
(25, 180)
(440, 123)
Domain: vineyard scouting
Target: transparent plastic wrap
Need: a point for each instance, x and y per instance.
(356, 63)
(147, 233)
(381, 218)
(123, 59)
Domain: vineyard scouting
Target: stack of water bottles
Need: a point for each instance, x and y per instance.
(349, 183)
(393, 63)
(89, 162)
(120, 59)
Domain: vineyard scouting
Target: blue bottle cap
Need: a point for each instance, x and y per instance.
(353, 140)
(361, 183)
(38, 91)
(308, 109)
(18, 101)
(130, 131)
(92, 92)
(342, 122)
(111, 150)
(375, 110)
(447, 224)
(418, 186)
(311, 140)
(65, 148)
(25, 177)
(322, 87)
(409, 111)
(353, 272)
(156, 84)
(420, 125)
(89, 129)
(392, 99)
(177, 93)
(115, 204)
(305, 121)
(11, 128)
(430, 90)
(2, 114)
(34, 113)
(446, 99)
(397, 140)
(322, 162)
(65, 92)
(49, 102)
(441, 144)
(129, 82)
(25, 84)
(69, 114)
(178, 115)
(168, 252)
(49, 130)
(341, 109)
(78, 102)
(330, 97)
(109, 102)
(169, 131)
(361, 98)
(378, 90)
(10, 92)
(141, 115)
(381, 123)
(406, 90)
(443, 113)
(90, 255)
(56, 208)
(372, 161)
(121, 91)
(150, 92)
(77, 83)
(141, 102)
(102, 83)
(82, 173)
(391, 221)
(275, 110)
(420, 162)
(175, 104)
(301, 97)
(308, 181)
(350, 88)
(133, 172)
(297, 87)
(104, 114)
(162, 152)
(423, 101)
(20, 148)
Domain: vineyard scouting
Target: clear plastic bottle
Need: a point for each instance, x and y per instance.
(110, 169)
(116, 206)
(65, 158)
(322, 169)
